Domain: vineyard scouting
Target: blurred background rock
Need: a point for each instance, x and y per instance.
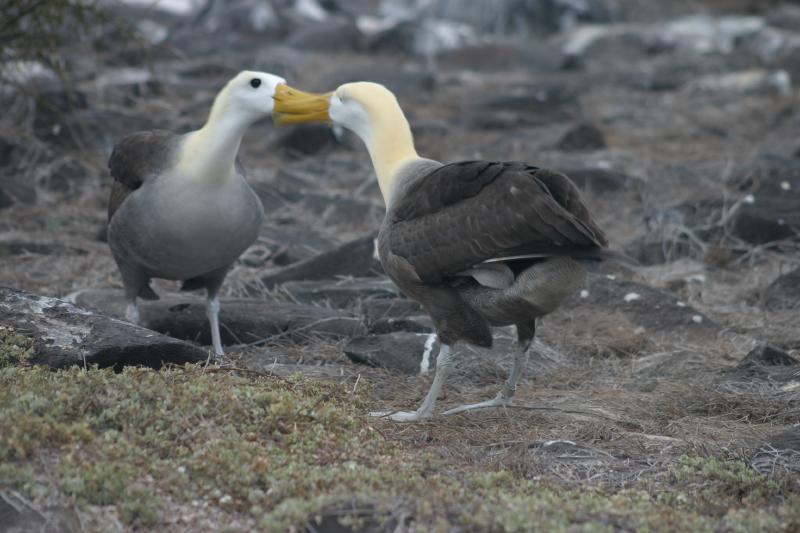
(679, 120)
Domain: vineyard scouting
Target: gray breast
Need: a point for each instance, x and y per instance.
(178, 232)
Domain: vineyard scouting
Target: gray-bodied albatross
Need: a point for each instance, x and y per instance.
(477, 243)
(180, 207)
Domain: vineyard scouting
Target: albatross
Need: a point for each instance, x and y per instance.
(180, 207)
(479, 244)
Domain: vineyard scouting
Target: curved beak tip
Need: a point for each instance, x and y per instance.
(293, 106)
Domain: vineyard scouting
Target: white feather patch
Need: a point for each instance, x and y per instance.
(425, 364)
(492, 275)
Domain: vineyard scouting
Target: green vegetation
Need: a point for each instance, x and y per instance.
(15, 348)
(271, 453)
(34, 29)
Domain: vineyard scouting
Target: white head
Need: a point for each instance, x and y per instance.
(369, 110)
(248, 97)
(211, 150)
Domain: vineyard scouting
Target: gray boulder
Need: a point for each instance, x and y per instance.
(65, 335)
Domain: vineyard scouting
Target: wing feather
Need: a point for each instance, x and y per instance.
(463, 214)
(137, 158)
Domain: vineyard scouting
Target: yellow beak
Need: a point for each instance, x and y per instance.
(293, 106)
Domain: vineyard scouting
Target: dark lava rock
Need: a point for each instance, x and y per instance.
(389, 307)
(767, 355)
(402, 81)
(354, 258)
(293, 243)
(766, 363)
(337, 210)
(305, 139)
(273, 198)
(17, 515)
(342, 293)
(241, 320)
(783, 293)
(14, 189)
(523, 106)
(780, 454)
(493, 57)
(324, 209)
(785, 16)
(656, 311)
(330, 36)
(15, 186)
(66, 335)
(657, 248)
(51, 105)
(600, 180)
(401, 352)
(584, 137)
(67, 177)
(387, 315)
(398, 38)
(786, 440)
(774, 185)
(412, 324)
(526, 17)
(11, 245)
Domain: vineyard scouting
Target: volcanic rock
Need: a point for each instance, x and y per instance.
(407, 353)
(242, 320)
(65, 335)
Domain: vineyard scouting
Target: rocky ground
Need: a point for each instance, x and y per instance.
(666, 395)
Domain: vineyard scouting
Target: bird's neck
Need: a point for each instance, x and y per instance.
(390, 145)
(209, 154)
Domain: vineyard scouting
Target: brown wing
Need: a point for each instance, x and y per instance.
(136, 158)
(462, 214)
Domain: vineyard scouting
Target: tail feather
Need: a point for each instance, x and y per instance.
(582, 253)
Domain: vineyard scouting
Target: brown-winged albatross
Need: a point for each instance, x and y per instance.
(180, 207)
(477, 243)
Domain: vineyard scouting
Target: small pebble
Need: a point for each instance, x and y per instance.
(584, 293)
(631, 296)
(697, 319)
(749, 199)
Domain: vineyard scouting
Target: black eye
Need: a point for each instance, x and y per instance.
(255, 83)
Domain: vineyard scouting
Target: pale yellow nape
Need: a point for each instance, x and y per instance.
(390, 142)
(209, 154)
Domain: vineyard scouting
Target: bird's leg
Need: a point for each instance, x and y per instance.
(213, 282)
(504, 397)
(443, 365)
(212, 311)
(132, 312)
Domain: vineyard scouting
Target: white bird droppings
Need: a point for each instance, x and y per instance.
(749, 199)
(425, 364)
(584, 293)
(697, 319)
(631, 297)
